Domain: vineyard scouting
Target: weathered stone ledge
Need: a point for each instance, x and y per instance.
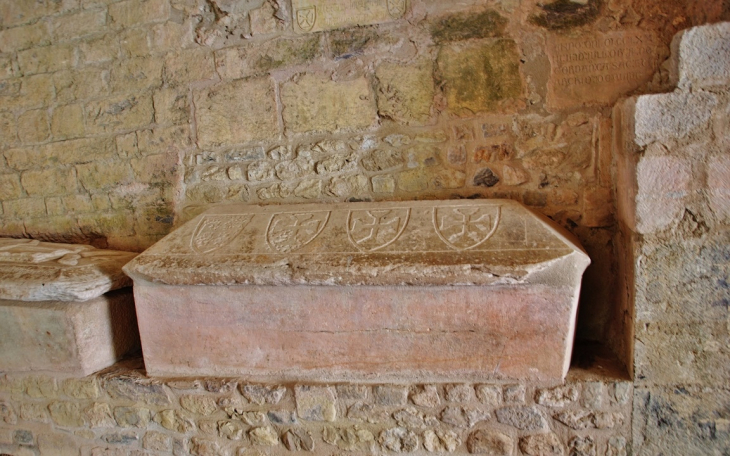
(121, 411)
(63, 308)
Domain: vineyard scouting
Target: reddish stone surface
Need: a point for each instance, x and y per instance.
(445, 289)
(75, 338)
(597, 68)
(63, 307)
(374, 333)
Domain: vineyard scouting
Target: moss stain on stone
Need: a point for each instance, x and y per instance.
(478, 77)
(464, 26)
(346, 43)
(566, 14)
(289, 52)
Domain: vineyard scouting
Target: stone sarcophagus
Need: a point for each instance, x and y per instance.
(59, 312)
(430, 290)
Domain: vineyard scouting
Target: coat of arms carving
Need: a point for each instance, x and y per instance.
(397, 8)
(216, 231)
(291, 231)
(466, 227)
(306, 18)
(371, 230)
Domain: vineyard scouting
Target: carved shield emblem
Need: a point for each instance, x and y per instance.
(466, 227)
(306, 18)
(375, 229)
(397, 8)
(216, 231)
(291, 231)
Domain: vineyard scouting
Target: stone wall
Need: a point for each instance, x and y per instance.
(121, 412)
(674, 207)
(121, 119)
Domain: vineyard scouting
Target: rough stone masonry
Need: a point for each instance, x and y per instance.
(105, 121)
(119, 119)
(122, 412)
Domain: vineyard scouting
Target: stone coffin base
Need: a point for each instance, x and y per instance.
(363, 333)
(75, 338)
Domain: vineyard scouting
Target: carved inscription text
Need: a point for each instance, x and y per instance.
(600, 67)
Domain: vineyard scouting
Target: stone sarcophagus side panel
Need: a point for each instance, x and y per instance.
(431, 290)
(64, 308)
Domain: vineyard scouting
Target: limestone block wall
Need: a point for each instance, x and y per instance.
(121, 412)
(121, 119)
(673, 205)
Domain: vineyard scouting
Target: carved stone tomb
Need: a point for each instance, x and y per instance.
(58, 310)
(430, 290)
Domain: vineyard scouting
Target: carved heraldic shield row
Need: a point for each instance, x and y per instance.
(460, 228)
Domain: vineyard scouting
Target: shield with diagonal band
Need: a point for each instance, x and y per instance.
(291, 231)
(306, 18)
(466, 227)
(216, 231)
(397, 8)
(375, 229)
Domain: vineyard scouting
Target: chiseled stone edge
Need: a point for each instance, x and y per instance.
(76, 283)
(293, 269)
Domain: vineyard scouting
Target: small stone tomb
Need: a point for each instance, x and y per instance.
(58, 310)
(397, 291)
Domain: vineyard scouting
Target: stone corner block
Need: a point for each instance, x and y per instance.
(718, 185)
(663, 186)
(672, 116)
(704, 56)
(652, 191)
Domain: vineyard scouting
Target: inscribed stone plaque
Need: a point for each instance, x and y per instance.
(599, 68)
(318, 15)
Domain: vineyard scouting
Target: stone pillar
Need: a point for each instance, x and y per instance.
(673, 174)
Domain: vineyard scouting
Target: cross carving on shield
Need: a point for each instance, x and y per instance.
(306, 18)
(397, 8)
(466, 227)
(375, 229)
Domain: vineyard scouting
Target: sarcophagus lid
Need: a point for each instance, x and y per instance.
(361, 290)
(59, 311)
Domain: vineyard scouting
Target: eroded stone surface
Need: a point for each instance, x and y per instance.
(474, 287)
(599, 67)
(317, 15)
(31, 270)
(67, 337)
(487, 242)
(54, 315)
